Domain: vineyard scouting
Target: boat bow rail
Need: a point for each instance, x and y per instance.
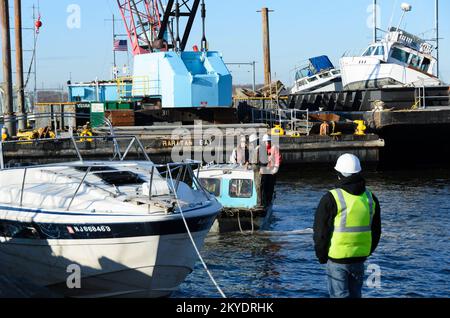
(149, 184)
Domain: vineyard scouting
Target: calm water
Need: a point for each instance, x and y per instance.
(414, 253)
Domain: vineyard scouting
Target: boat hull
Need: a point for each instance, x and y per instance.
(133, 267)
(245, 220)
(359, 73)
(323, 85)
(150, 257)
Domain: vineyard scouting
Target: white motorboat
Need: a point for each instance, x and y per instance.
(120, 223)
(318, 75)
(400, 59)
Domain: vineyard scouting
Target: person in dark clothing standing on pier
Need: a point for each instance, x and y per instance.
(347, 229)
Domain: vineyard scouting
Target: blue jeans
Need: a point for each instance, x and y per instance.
(345, 280)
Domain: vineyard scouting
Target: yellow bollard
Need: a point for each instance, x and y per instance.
(87, 132)
(277, 131)
(5, 135)
(361, 128)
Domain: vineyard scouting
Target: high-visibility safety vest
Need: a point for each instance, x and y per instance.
(352, 236)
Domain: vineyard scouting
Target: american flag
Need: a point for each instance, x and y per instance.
(120, 45)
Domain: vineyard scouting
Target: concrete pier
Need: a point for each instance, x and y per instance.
(303, 150)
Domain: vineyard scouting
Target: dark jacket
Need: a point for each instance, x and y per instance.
(326, 213)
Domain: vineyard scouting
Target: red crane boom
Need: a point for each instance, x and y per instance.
(148, 23)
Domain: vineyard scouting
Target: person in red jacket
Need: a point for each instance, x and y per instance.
(270, 171)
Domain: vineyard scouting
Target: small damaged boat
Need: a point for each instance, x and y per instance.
(247, 201)
(318, 75)
(119, 228)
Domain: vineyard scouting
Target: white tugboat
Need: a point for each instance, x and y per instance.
(399, 60)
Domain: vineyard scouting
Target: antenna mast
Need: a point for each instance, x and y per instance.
(375, 26)
(437, 36)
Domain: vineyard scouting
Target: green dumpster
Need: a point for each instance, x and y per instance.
(97, 114)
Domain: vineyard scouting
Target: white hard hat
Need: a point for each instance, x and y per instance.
(253, 138)
(348, 164)
(267, 138)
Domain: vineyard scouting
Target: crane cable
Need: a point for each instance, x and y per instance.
(191, 237)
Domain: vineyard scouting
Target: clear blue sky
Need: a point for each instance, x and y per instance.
(299, 29)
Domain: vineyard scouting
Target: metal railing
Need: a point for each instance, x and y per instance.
(173, 174)
(128, 87)
(73, 140)
(61, 117)
(290, 119)
(422, 98)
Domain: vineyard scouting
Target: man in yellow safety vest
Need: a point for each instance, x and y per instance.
(347, 229)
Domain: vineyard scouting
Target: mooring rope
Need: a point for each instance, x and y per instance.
(239, 222)
(192, 239)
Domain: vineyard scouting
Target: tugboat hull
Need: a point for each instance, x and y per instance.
(242, 220)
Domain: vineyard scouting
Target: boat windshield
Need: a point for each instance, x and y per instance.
(400, 55)
(374, 50)
(415, 60)
(369, 51)
(112, 176)
(302, 73)
(211, 185)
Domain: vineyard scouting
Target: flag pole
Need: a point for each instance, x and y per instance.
(114, 50)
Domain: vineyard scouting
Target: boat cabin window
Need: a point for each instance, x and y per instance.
(369, 51)
(211, 185)
(302, 82)
(379, 50)
(241, 188)
(400, 55)
(374, 50)
(425, 64)
(415, 61)
(114, 177)
(305, 72)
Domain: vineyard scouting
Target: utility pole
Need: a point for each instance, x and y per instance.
(266, 46)
(8, 108)
(19, 65)
(437, 36)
